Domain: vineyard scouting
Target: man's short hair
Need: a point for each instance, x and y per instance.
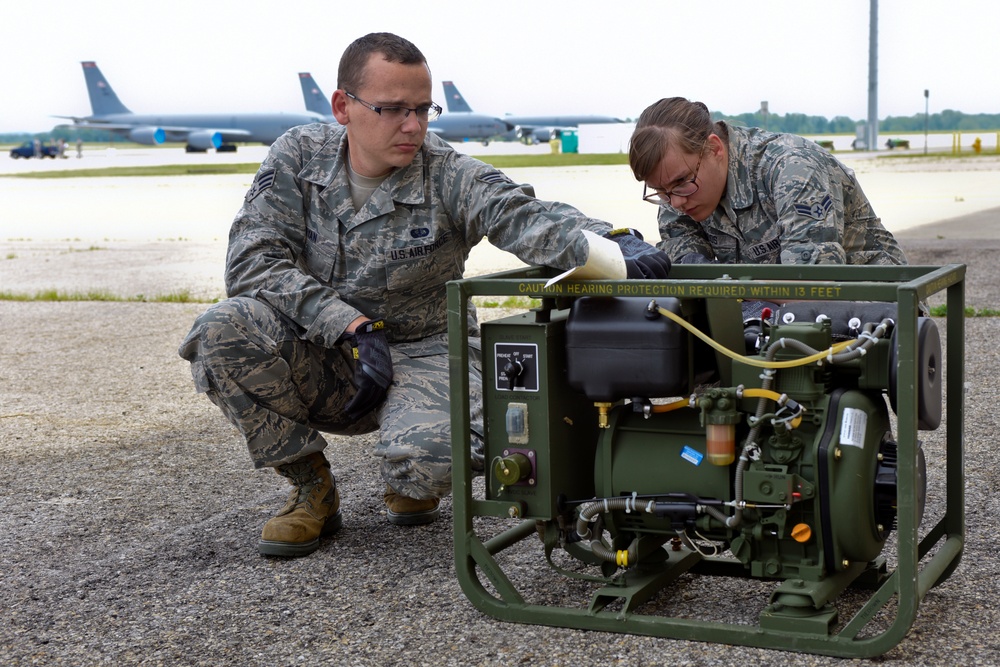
(395, 49)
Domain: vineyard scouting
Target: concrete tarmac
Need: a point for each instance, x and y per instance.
(129, 511)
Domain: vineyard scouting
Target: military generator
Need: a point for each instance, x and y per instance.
(736, 437)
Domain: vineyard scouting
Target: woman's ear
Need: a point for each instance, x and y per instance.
(716, 144)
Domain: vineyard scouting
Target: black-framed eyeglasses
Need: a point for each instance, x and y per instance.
(685, 189)
(398, 114)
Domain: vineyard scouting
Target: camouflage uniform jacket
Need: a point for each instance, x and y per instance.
(787, 201)
(298, 244)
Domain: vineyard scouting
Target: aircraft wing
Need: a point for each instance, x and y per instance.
(90, 125)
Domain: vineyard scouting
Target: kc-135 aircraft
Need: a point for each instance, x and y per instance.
(199, 131)
(450, 126)
(528, 129)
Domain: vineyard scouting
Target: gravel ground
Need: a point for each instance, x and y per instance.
(129, 511)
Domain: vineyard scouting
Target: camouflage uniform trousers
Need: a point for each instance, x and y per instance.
(281, 391)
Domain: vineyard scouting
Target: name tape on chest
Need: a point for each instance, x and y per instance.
(765, 249)
(406, 254)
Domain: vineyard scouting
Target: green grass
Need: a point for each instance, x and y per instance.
(942, 311)
(184, 296)
(181, 296)
(152, 170)
(556, 160)
(520, 302)
(498, 161)
(939, 155)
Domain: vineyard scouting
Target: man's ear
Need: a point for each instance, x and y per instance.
(339, 104)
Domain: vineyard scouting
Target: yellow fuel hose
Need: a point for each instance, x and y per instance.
(674, 405)
(750, 361)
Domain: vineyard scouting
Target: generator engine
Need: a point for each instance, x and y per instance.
(641, 445)
(653, 448)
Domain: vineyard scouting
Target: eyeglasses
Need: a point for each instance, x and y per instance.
(397, 114)
(685, 189)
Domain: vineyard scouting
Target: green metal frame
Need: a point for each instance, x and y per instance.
(915, 572)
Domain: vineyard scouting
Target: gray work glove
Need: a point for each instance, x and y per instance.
(372, 367)
(642, 260)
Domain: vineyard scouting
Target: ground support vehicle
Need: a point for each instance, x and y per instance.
(27, 150)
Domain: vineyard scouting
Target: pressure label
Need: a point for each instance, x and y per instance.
(853, 426)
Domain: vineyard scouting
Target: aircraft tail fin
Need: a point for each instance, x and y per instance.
(453, 99)
(103, 100)
(316, 101)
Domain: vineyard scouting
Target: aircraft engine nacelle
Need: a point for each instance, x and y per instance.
(149, 136)
(204, 140)
(542, 135)
(525, 135)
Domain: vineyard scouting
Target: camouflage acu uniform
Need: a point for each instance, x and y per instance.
(787, 201)
(303, 264)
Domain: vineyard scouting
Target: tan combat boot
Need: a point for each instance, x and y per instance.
(405, 511)
(312, 510)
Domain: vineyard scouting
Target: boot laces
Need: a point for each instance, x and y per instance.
(303, 477)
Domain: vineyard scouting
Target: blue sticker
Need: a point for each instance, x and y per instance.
(692, 455)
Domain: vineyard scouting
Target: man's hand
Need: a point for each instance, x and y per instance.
(641, 259)
(372, 368)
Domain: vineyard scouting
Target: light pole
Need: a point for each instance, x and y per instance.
(927, 117)
(872, 129)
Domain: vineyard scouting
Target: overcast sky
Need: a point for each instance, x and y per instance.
(587, 56)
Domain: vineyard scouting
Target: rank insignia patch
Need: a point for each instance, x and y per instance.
(815, 211)
(494, 177)
(263, 181)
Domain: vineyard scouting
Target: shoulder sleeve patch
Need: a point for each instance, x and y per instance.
(493, 177)
(815, 211)
(263, 181)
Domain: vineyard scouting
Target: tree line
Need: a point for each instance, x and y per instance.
(797, 123)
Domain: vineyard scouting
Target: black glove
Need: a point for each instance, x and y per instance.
(641, 259)
(372, 368)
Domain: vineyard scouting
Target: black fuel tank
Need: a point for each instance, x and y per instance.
(617, 349)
